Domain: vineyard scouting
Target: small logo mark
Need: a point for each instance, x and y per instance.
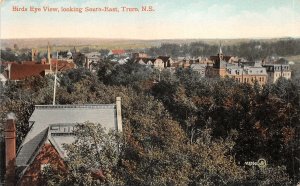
(261, 163)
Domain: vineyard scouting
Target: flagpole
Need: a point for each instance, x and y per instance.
(55, 81)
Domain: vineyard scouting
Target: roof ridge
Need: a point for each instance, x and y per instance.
(75, 106)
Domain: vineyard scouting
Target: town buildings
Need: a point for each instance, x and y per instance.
(248, 74)
(20, 71)
(199, 68)
(276, 71)
(117, 53)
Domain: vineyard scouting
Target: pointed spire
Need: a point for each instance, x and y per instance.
(49, 56)
(75, 50)
(220, 51)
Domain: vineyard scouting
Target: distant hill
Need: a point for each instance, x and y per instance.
(98, 43)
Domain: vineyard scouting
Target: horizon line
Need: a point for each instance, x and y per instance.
(220, 38)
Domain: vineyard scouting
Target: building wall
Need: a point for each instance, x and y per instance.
(47, 156)
(274, 76)
(158, 63)
(200, 71)
(275, 71)
(245, 78)
(215, 72)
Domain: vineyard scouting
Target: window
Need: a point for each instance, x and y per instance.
(54, 127)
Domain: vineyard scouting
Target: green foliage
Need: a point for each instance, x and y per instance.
(127, 74)
(252, 50)
(91, 160)
(183, 130)
(79, 59)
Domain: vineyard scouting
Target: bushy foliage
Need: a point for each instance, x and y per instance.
(252, 50)
(183, 130)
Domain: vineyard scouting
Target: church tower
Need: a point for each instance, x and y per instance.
(34, 53)
(220, 54)
(49, 56)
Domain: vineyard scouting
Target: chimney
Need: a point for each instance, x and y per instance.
(32, 54)
(9, 70)
(119, 115)
(10, 151)
(87, 65)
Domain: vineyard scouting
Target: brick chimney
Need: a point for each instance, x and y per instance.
(119, 115)
(10, 151)
(87, 64)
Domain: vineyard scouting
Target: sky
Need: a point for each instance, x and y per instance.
(172, 19)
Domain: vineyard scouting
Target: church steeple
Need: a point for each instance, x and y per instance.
(220, 54)
(75, 51)
(49, 56)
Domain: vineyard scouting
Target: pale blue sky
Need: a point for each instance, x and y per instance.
(172, 19)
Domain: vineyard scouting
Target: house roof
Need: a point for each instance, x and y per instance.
(30, 68)
(22, 71)
(93, 54)
(45, 116)
(164, 58)
(118, 52)
(145, 60)
(62, 65)
(198, 66)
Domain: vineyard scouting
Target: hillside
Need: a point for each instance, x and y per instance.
(98, 43)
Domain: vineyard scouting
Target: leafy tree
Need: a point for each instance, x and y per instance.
(92, 159)
(79, 59)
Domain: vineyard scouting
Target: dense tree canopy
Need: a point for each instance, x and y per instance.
(253, 50)
(182, 130)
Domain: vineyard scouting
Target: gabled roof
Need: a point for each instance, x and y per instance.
(22, 71)
(47, 115)
(62, 65)
(145, 60)
(118, 52)
(164, 58)
(198, 66)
